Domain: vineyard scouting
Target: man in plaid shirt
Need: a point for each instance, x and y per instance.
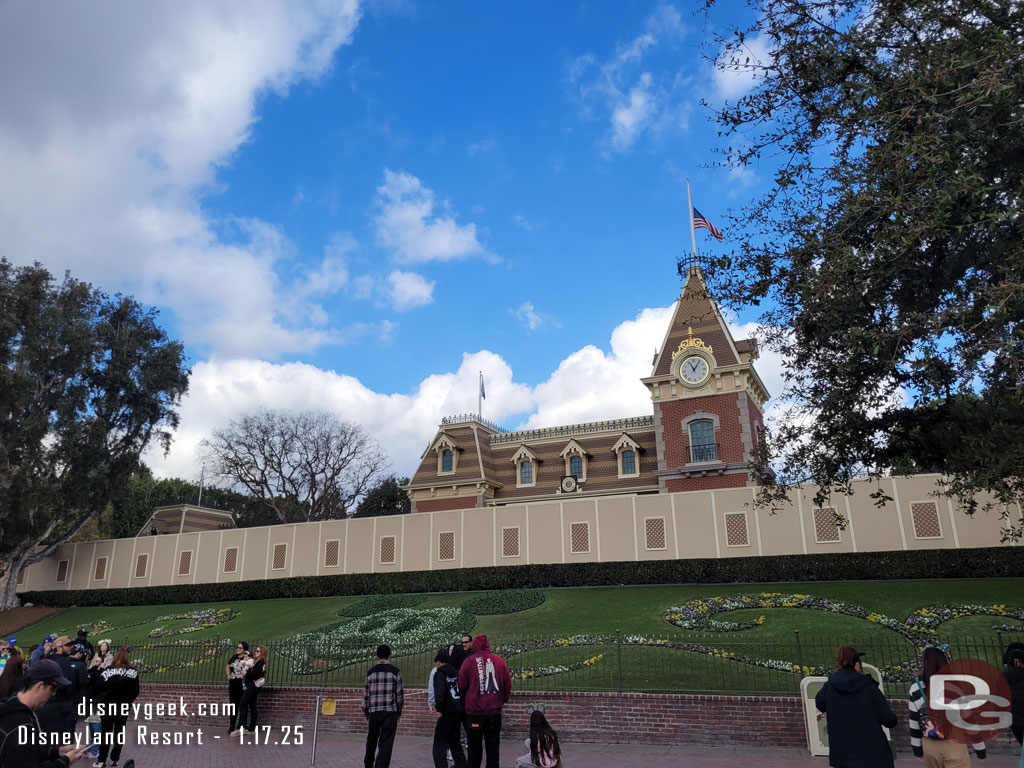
(382, 706)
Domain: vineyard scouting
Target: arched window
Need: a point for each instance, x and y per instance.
(576, 466)
(702, 441)
(446, 460)
(629, 462)
(526, 472)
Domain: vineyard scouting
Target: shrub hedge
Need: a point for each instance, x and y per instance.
(849, 566)
(503, 601)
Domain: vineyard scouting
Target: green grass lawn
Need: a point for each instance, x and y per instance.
(608, 615)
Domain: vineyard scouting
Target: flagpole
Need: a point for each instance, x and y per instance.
(689, 206)
(479, 396)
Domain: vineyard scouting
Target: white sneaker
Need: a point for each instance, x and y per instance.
(236, 731)
(98, 764)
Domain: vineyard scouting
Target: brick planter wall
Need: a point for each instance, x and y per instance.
(631, 718)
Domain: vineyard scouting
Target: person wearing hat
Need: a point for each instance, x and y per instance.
(60, 713)
(43, 650)
(856, 712)
(41, 682)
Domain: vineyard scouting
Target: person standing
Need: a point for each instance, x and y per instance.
(236, 669)
(927, 738)
(1013, 671)
(17, 716)
(459, 653)
(486, 684)
(450, 708)
(856, 711)
(382, 706)
(119, 684)
(60, 713)
(252, 681)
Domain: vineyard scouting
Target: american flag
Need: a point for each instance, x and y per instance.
(699, 222)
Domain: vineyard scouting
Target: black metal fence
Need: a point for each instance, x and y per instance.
(700, 663)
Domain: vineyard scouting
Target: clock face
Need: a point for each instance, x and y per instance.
(569, 484)
(694, 369)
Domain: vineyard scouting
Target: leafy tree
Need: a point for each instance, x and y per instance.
(86, 382)
(889, 251)
(387, 498)
(300, 466)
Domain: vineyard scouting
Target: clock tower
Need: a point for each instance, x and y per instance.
(708, 399)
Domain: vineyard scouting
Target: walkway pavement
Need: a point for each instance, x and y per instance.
(346, 751)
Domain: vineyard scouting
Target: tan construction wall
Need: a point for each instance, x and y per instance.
(697, 524)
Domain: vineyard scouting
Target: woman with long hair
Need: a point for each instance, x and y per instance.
(543, 744)
(104, 656)
(119, 684)
(929, 737)
(13, 674)
(856, 711)
(236, 669)
(252, 681)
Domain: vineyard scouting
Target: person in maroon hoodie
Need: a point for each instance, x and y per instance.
(485, 685)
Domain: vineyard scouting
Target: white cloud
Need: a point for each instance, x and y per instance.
(480, 147)
(524, 223)
(531, 319)
(409, 290)
(636, 103)
(406, 223)
(588, 385)
(737, 71)
(116, 117)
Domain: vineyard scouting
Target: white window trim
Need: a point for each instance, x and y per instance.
(938, 519)
(22, 575)
(746, 525)
(626, 443)
(579, 551)
(106, 567)
(445, 443)
(664, 530)
(67, 572)
(445, 559)
(575, 449)
(145, 571)
(326, 544)
(814, 523)
(273, 556)
(519, 541)
(191, 563)
(224, 557)
(394, 550)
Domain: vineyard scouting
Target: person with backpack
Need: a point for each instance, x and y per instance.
(544, 751)
(856, 712)
(928, 738)
(450, 709)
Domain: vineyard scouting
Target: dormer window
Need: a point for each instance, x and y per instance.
(447, 455)
(526, 463)
(576, 467)
(627, 450)
(575, 460)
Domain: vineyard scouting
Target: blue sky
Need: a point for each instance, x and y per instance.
(357, 206)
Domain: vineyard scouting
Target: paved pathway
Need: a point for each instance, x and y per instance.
(346, 751)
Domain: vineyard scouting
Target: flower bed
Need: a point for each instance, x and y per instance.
(211, 617)
(406, 630)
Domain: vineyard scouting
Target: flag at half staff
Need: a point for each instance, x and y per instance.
(483, 392)
(699, 222)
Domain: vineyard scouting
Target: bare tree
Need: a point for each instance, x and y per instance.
(301, 466)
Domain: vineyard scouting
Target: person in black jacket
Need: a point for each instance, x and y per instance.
(40, 683)
(1013, 671)
(251, 684)
(119, 686)
(235, 672)
(856, 712)
(451, 711)
(60, 713)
